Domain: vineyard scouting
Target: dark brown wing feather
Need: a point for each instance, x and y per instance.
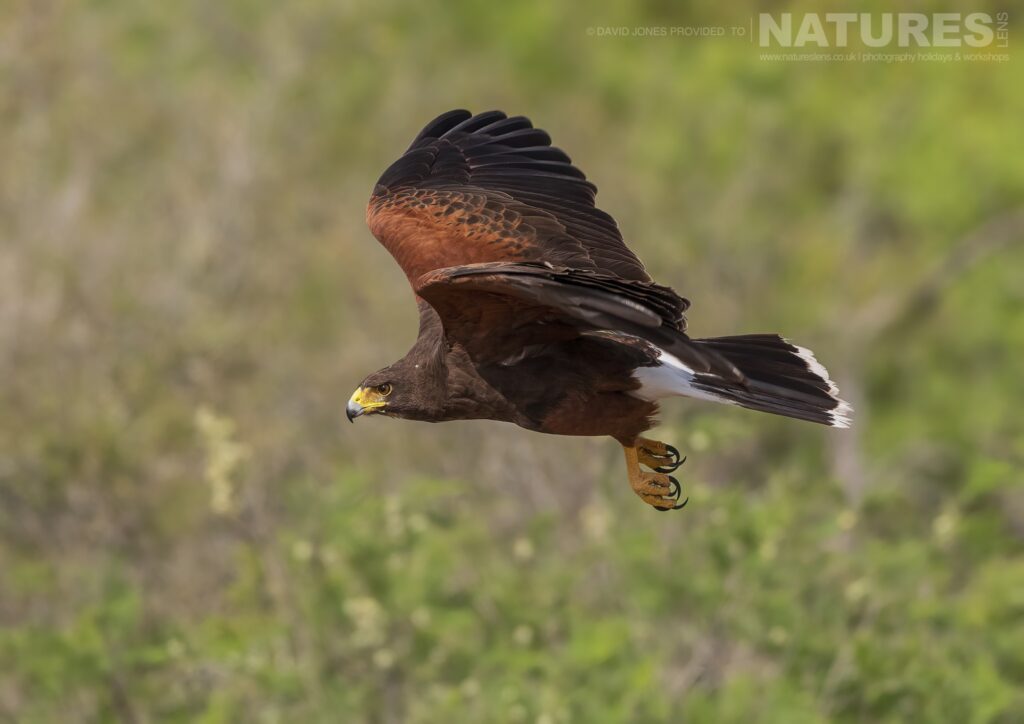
(488, 188)
(497, 310)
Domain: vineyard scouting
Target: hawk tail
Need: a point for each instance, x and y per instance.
(778, 377)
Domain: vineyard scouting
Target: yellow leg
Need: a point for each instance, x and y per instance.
(659, 490)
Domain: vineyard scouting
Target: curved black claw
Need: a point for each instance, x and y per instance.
(674, 492)
(676, 461)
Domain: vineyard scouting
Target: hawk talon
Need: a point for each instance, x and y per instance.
(658, 456)
(675, 466)
(674, 492)
(659, 490)
(678, 506)
(675, 459)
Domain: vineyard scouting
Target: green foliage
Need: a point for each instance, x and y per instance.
(189, 530)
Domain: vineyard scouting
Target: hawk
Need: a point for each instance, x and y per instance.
(533, 310)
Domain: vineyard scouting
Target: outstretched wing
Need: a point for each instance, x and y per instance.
(489, 188)
(498, 310)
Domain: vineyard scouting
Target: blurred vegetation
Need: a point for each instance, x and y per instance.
(189, 530)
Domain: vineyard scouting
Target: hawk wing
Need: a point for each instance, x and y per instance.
(497, 311)
(498, 232)
(487, 188)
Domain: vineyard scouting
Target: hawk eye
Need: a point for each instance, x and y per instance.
(384, 390)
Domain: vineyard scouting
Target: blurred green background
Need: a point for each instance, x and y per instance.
(190, 531)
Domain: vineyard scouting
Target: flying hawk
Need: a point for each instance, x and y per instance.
(534, 311)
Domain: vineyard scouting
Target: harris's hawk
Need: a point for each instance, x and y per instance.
(534, 311)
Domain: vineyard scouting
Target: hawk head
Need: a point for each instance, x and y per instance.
(409, 389)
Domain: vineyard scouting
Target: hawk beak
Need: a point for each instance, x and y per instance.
(363, 402)
(353, 410)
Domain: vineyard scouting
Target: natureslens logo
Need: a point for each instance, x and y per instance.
(879, 30)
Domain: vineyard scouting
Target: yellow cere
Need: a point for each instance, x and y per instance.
(368, 399)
